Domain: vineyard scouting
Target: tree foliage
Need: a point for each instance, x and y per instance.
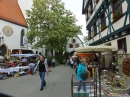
(86, 39)
(49, 21)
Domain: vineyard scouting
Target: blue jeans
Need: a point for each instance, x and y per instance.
(42, 76)
(79, 87)
(32, 70)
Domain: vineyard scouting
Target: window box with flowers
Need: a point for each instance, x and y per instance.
(89, 37)
(103, 27)
(96, 1)
(95, 33)
(87, 18)
(91, 11)
(116, 16)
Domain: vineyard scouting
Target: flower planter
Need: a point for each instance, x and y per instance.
(103, 28)
(95, 33)
(91, 11)
(89, 38)
(96, 1)
(87, 18)
(116, 16)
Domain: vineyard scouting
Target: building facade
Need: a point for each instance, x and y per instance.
(13, 28)
(108, 23)
(73, 43)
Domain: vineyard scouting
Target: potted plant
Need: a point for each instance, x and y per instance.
(116, 16)
(95, 33)
(87, 18)
(89, 37)
(91, 11)
(103, 27)
(97, 1)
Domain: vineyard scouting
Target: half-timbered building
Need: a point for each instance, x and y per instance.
(108, 23)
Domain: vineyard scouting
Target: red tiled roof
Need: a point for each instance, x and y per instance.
(10, 11)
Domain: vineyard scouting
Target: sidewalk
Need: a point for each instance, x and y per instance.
(58, 84)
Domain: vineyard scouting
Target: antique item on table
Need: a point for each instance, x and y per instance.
(126, 66)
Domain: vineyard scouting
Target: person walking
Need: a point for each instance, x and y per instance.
(81, 70)
(71, 62)
(49, 65)
(53, 62)
(43, 68)
(32, 66)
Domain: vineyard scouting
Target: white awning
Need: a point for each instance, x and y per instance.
(95, 49)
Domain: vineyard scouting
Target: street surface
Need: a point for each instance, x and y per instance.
(58, 84)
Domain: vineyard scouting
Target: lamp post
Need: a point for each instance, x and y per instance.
(1, 40)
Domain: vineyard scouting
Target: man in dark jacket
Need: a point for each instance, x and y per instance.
(43, 68)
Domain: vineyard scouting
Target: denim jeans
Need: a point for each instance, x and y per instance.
(42, 76)
(32, 70)
(79, 87)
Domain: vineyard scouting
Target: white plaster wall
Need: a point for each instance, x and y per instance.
(118, 24)
(68, 49)
(124, 6)
(12, 42)
(96, 37)
(115, 45)
(104, 33)
(128, 43)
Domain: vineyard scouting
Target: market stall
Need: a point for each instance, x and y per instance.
(97, 76)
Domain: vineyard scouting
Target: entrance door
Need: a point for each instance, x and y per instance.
(3, 50)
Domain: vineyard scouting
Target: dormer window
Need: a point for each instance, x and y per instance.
(73, 41)
(71, 45)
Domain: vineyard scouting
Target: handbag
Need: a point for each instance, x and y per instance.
(84, 76)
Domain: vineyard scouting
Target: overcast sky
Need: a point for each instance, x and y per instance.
(74, 5)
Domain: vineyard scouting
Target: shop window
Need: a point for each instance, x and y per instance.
(71, 45)
(117, 9)
(95, 29)
(76, 45)
(103, 22)
(122, 44)
(73, 41)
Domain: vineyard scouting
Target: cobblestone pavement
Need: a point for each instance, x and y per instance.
(58, 84)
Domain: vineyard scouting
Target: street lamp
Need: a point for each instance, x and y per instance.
(1, 41)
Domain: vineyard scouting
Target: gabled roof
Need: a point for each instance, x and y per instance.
(10, 11)
(78, 38)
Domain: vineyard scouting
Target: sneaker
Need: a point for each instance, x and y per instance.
(41, 89)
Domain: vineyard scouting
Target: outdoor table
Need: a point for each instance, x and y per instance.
(13, 69)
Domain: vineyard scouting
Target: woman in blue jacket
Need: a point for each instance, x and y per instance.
(81, 69)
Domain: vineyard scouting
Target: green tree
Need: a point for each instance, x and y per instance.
(49, 21)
